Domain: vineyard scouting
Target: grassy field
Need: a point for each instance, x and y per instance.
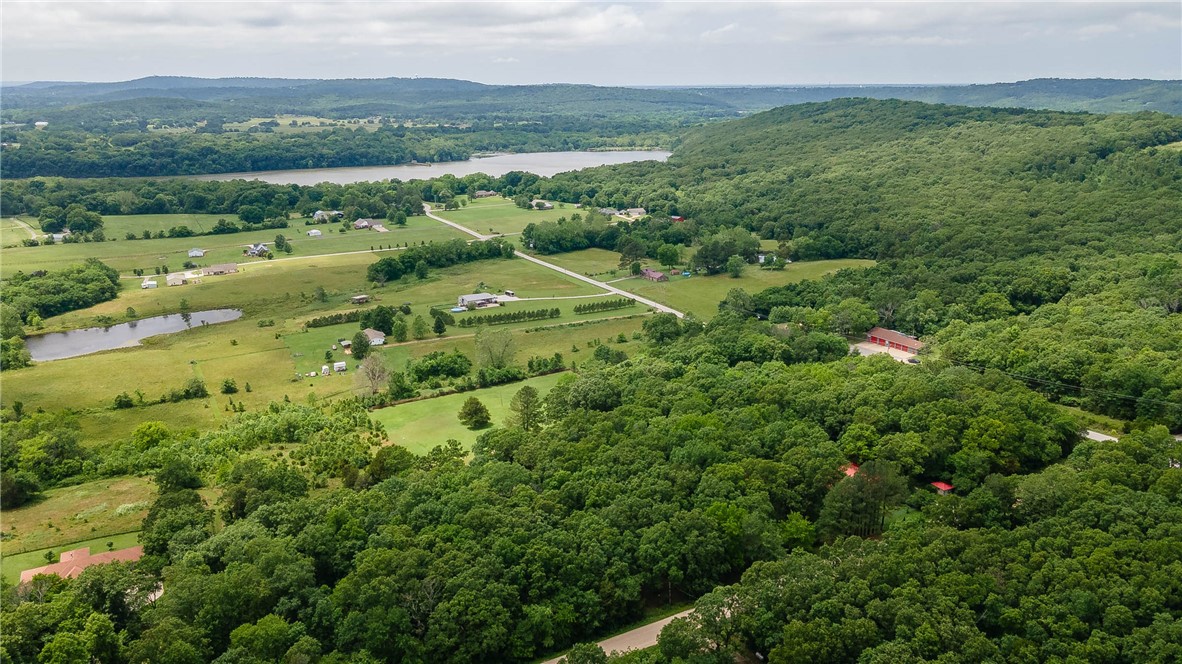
(279, 291)
(11, 233)
(126, 255)
(500, 215)
(420, 425)
(117, 225)
(15, 564)
(75, 513)
(597, 263)
(701, 294)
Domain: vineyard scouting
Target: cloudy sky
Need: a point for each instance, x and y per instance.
(643, 43)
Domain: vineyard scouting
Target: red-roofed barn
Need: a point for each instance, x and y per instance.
(893, 339)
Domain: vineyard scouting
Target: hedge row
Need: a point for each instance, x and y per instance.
(509, 317)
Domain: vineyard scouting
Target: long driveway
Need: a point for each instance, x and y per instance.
(575, 275)
(640, 638)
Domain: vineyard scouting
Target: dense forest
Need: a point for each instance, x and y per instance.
(647, 479)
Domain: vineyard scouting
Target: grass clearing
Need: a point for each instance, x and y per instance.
(601, 264)
(126, 255)
(12, 233)
(75, 513)
(701, 294)
(500, 215)
(420, 425)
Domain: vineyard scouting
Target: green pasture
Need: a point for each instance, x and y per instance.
(701, 294)
(117, 225)
(12, 233)
(75, 513)
(499, 215)
(126, 255)
(420, 425)
(597, 263)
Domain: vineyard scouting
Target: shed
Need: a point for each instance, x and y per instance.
(221, 268)
(177, 279)
(653, 275)
(339, 366)
(477, 300)
(376, 337)
(149, 283)
(315, 232)
(676, 217)
(893, 339)
(851, 469)
(943, 488)
(196, 253)
(359, 299)
(324, 370)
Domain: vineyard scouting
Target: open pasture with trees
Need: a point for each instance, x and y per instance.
(69, 514)
(499, 215)
(420, 425)
(700, 294)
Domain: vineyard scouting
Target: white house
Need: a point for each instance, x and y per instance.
(327, 215)
(176, 279)
(324, 370)
(362, 224)
(149, 283)
(314, 233)
(339, 366)
(376, 337)
(256, 249)
(636, 212)
(196, 253)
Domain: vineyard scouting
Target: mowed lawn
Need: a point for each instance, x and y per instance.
(12, 233)
(15, 564)
(71, 514)
(420, 425)
(500, 215)
(597, 263)
(701, 294)
(127, 255)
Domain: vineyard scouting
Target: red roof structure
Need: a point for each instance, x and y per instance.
(851, 469)
(73, 562)
(893, 339)
(943, 487)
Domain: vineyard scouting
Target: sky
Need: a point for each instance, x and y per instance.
(639, 43)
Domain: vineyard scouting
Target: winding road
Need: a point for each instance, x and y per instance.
(575, 275)
(640, 638)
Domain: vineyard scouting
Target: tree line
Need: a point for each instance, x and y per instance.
(505, 317)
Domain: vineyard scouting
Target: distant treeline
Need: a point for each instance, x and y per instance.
(335, 319)
(506, 317)
(604, 305)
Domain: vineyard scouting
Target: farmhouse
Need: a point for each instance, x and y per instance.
(362, 224)
(611, 212)
(339, 366)
(196, 253)
(477, 300)
(653, 275)
(943, 488)
(149, 283)
(484, 193)
(315, 232)
(256, 249)
(635, 212)
(222, 268)
(327, 215)
(376, 337)
(73, 562)
(176, 279)
(359, 299)
(893, 339)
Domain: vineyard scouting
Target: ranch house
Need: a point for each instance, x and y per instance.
(222, 268)
(196, 253)
(376, 337)
(893, 339)
(73, 562)
(653, 275)
(477, 300)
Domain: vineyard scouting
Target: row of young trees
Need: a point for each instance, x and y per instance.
(604, 305)
(436, 255)
(505, 317)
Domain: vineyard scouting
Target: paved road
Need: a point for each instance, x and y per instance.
(533, 259)
(294, 258)
(1098, 437)
(642, 637)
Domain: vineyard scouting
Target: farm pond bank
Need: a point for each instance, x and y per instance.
(60, 345)
(545, 164)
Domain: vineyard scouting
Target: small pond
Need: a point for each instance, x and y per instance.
(60, 345)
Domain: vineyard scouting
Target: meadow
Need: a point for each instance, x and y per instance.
(701, 294)
(126, 255)
(500, 215)
(597, 263)
(70, 514)
(12, 233)
(420, 425)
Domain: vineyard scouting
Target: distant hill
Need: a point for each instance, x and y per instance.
(449, 100)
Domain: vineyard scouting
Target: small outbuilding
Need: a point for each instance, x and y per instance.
(327, 215)
(324, 370)
(542, 205)
(851, 469)
(376, 337)
(315, 232)
(653, 275)
(196, 253)
(149, 283)
(339, 366)
(943, 488)
(359, 299)
(177, 279)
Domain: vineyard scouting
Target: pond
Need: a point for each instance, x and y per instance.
(60, 345)
(545, 164)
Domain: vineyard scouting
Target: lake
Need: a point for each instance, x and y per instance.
(540, 163)
(60, 345)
